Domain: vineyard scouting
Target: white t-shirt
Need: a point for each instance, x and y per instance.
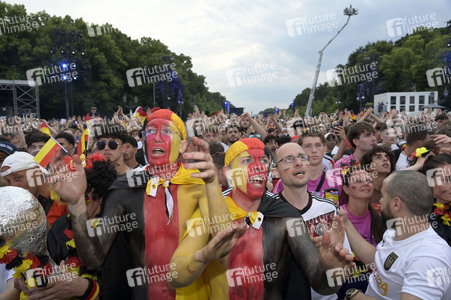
(421, 267)
(5, 275)
(402, 162)
(334, 150)
(328, 163)
(316, 210)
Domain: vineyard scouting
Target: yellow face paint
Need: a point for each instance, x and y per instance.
(238, 171)
(176, 142)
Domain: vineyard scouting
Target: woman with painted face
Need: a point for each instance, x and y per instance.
(438, 171)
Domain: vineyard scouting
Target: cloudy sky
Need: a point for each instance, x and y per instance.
(258, 54)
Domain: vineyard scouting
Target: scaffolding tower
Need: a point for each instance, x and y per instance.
(25, 96)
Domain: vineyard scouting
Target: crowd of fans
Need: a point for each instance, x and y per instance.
(366, 168)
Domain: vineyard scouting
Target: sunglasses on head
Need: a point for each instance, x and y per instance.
(111, 144)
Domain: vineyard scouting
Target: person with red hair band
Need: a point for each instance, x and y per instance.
(135, 262)
(259, 263)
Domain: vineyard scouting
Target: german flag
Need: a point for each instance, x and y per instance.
(45, 129)
(82, 144)
(140, 114)
(45, 155)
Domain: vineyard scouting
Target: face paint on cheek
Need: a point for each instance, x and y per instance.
(238, 175)
(161, 141)
(256, 188)
(287, 170)
(174, 147)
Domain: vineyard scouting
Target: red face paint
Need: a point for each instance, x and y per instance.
(160, 135)
(256, 173)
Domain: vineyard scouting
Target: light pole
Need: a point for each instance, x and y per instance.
(154, 103)
(347, 12)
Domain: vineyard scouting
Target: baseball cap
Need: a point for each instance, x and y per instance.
(19, 161)
(329, 133)
(7, 147)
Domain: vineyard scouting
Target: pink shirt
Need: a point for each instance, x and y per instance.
(330, 182)
(362, 224)
(345, 160)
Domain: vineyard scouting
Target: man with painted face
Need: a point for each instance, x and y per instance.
(136, 262)
(258, 266)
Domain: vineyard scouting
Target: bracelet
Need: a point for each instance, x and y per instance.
(92, 291)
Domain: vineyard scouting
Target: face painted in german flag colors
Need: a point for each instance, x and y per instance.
(247, 167)
(165, 136)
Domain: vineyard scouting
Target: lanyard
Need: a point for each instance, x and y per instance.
(320, 184)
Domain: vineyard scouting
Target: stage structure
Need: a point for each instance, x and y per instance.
(25, 96)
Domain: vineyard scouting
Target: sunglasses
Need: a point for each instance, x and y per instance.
(331, 139)
(111, 144)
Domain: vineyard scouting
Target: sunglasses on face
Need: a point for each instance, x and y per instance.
(331, 139)
(111, 144)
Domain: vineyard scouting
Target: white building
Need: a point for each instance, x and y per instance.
(411, 102)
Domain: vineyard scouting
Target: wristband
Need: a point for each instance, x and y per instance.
(92, 291)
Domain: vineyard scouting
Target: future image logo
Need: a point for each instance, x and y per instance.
(311, 24)
(251, 275)
(157, 273)
(140, 76)
(112, 224)
(241, 76)
(14, 24)
(296, 227)
(352, 74)
(398, 27)
(96, 30)
(438, 276)
(56, 73)
(438, 76)
(438, 176)
(337, 276)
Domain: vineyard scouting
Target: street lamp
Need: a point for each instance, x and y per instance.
(347, 12)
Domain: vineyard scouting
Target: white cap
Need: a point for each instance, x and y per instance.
(19, 161)
(329, 133)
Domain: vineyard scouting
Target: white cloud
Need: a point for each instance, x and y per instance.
(222, 35)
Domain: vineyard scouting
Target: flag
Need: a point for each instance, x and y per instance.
(140, 114)
(82, 144)
(180, 97)
(45, 155)
(45, 129)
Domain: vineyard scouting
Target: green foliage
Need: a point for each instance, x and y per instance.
(400, 67)
(102, 69)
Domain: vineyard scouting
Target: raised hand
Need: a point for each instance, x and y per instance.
(71, 191)
(221, 244)
(442, 139)
(202, 160)
(331, 253)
